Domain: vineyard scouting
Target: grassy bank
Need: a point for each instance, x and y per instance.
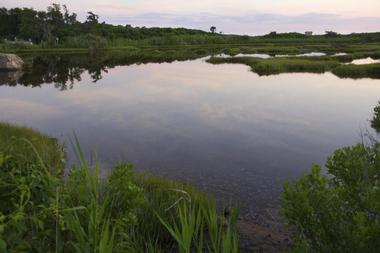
(42, 211)
(279, 65)
(358, 71)
(304, 64)
(22, 144)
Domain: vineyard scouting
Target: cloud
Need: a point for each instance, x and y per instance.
(238, 16)
(256, 23)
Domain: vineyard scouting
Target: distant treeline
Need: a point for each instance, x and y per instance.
(58, 22)
(58, 27)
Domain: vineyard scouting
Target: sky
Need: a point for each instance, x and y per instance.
(250, 17)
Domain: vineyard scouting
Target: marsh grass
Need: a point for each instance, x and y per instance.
(176, 217)
(291, 65)
(200, 229)
(281, 64)
(160, 195)
(358, 71)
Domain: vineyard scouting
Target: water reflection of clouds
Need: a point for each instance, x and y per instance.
(193, 119)
(185, 98)
(206, 91)
(27, 110)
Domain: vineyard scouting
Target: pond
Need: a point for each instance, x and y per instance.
(222, 127)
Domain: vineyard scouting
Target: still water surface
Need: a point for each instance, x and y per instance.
(221, 127)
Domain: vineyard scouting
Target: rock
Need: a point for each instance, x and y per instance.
(10, 62)
(10, 77)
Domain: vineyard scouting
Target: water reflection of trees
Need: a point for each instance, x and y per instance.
(64, 70)
(375, 121)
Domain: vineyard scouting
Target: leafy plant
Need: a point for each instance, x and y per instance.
(27, 190)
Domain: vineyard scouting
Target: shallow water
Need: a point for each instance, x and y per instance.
(262, 56)
(310, 54)
(364, 61)
(221, 127)
(340, 54)
(267, 56)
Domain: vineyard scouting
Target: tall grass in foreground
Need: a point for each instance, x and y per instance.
(41, 211)
(176, 217)
(199, 228)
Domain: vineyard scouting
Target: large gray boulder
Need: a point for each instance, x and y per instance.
(10, 62)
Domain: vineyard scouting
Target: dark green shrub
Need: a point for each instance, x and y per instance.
(338, 212)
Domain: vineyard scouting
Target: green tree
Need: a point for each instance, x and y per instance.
(338, 212)
(69, 19)
(4, 22)
(55, 20)
(30, 25)
(91, 23)
(14, 21)
(92, 18)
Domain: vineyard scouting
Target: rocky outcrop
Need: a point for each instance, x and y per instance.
(10, 62)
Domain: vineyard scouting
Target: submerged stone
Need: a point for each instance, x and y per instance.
(10, 62)
(10, 77)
